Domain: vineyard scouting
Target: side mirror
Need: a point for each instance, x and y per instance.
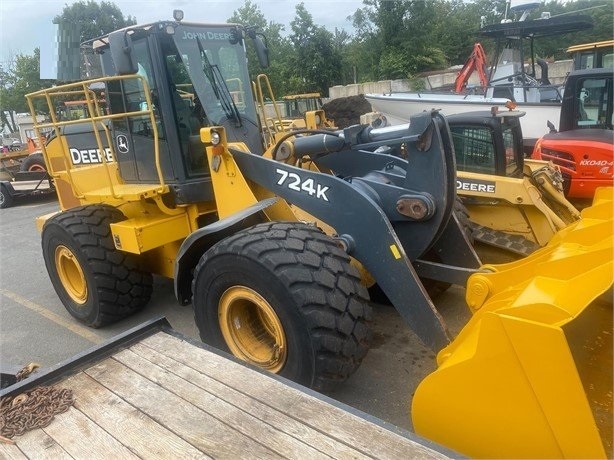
(261, 51)
(235, 35)
(120, 45)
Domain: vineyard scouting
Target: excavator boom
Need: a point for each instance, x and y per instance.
(475, 63)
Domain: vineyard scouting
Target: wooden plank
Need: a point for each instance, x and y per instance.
(242, 414)
(83, 439)
(265, 413)
(39, 445)
(11, 452)
(144, 436)
(369, 438)
(194, 425)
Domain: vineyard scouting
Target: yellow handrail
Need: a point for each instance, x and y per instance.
(97, 118)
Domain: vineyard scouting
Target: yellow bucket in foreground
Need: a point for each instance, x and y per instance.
(530, 375)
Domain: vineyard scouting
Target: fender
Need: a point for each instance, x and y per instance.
(195, 245)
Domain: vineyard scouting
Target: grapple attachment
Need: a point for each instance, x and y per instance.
(530, 375)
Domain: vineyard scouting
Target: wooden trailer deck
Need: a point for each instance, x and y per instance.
(162, 396)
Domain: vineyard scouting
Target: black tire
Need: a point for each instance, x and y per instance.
(6, 199)
(33, 162)
(97, 284)
(312, 296)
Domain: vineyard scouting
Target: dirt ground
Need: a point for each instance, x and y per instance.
(346, 111)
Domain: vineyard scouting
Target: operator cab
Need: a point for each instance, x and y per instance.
(488, 144)
(588, 102)
(196, 76)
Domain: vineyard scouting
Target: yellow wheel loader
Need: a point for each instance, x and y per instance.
(273, 254)
(158, 183)
(306, 112)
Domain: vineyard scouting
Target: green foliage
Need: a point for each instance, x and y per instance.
(21, 78)
(93, 19)
(412, 36)
(393, 64)
(316, 59)
(416, 83)
(249, 15)
(602, 14)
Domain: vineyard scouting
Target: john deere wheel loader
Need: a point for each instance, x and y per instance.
(238, 232)
(273, 257)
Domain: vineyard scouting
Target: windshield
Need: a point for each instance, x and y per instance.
(218, 72)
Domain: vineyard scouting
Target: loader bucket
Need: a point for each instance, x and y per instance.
(530, 375)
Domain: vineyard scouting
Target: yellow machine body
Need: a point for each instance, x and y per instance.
(530, 375)
(515, 205)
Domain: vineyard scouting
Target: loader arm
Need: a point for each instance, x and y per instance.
(362, 228)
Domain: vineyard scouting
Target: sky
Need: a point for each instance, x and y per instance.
(26, 24)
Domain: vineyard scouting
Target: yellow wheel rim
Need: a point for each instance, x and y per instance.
(251, 328)
(71, 274)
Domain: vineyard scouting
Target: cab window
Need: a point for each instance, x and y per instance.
(594, 102)
(474, 149)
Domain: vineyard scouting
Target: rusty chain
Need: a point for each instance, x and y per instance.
(26, 371)
(33, 409)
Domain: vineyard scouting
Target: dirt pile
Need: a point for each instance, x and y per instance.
(346, 111)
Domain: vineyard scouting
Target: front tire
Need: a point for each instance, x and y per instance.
(284, 297)
(97, 284)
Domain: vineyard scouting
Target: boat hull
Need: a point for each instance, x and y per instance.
(398, 107)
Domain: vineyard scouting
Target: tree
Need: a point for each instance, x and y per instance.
(601, 13)
(93, 19)
(315, 60)
(250, 15)
(21, 78)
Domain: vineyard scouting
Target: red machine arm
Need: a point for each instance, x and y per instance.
(475, 62)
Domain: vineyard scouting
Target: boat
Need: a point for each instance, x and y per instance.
(509, 81)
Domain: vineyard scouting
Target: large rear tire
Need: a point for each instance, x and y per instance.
(284, 297)
(97, 284)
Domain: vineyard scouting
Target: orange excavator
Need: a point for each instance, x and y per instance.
(476, 62)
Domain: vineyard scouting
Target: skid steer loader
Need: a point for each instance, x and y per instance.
(512, 205)
(237, 231)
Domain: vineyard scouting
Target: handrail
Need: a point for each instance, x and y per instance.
(260, 99)
(98, 120)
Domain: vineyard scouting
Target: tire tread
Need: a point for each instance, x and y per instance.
(325, 286)
(122, 288)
